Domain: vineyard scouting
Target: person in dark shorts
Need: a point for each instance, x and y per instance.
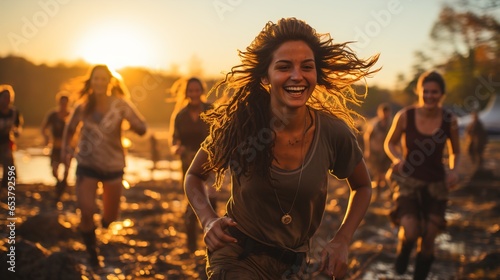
(418, 176)
(284, 129)
(100, 155)
(52, 130)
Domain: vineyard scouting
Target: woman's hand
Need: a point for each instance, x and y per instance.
(178, 150)
(397, 167)
(334, 258)
(216, 236)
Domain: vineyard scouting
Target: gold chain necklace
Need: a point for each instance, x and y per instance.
(287, 218)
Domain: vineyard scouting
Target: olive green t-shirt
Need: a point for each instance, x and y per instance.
(253, 203)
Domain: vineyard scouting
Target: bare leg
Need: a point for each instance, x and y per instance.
(410, 225)
(7, 161)
(428, 239)
(425, 256)
(65, 174)
(55, 168)
(61, 184)
(111, 198)
(86, 188)
(408, 234)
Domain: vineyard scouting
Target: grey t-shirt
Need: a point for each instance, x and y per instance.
(100, 146)
(253, 204)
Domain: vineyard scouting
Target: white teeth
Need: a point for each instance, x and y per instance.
(295, 88)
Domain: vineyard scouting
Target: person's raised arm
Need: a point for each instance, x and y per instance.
(393, 139)
(68, 134)
(18, 123)
(44, 129)
(334, 257)
(453, 154)
(213, 225)
(366, 139)
(176, 146)
(135, 119)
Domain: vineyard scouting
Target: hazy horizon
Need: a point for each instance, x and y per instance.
(204, 36)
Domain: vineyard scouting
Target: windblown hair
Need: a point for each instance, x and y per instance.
(88, 97)
(246, 116)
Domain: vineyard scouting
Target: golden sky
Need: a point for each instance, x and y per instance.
(205, 34)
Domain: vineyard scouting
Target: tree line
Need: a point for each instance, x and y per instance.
(465, 47)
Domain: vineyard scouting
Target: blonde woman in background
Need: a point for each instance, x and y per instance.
(103, 107)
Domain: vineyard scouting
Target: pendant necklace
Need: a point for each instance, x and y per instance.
(287, 218)
(292, 143)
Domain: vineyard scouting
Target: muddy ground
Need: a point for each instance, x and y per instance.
(148, 241)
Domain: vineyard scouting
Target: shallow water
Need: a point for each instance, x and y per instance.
(33, 167)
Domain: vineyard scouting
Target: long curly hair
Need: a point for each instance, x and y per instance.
(241, 135)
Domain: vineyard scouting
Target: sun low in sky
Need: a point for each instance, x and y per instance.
(118, 45)
(166, 34)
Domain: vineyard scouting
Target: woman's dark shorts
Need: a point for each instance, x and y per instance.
(99, 175)
(419, 199)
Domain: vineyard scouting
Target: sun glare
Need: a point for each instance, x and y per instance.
(117, 45)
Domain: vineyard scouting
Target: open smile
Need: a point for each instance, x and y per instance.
(295, 90)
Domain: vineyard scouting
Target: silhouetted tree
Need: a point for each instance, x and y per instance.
(466, 47)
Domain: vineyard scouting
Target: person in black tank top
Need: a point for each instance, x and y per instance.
(419, 179)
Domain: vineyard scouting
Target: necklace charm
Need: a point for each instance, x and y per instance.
(286, 219)
(292, 143)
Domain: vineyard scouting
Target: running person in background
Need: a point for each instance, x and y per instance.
(420, 179)
(377, 160)
(100, 155)
(476, 139)
(52, 129)
(11, 123)
(189, 130)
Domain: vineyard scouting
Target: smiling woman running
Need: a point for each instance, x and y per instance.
(419, 178)
(283, 131)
